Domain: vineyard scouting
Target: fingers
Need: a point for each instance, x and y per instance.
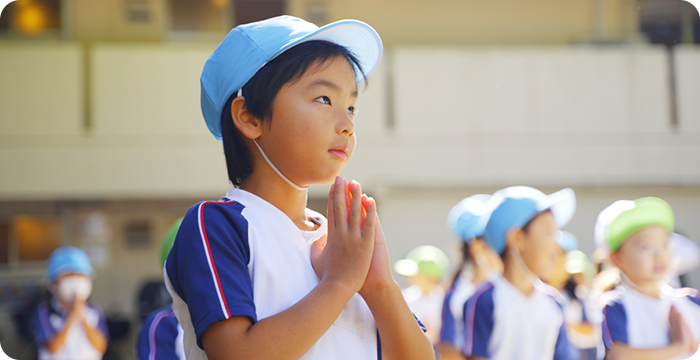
(356, 205)
(340, 214)
(370, 223)
(330, 212)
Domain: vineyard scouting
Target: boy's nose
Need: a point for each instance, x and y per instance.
(346, 125)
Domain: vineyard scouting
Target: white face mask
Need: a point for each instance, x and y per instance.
(71, 288)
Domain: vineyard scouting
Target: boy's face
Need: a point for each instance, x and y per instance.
(311, 135)
(539, 248)
(645, 256)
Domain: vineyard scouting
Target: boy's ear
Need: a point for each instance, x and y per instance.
(245, 122)
(515, 238)
(614, 259)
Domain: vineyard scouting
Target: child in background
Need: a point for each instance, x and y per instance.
(644, 318)
(424, 267)
(161, 335)
(569, 279)
(517, 316)
(257, 275)
(68, 326)
(467, 220)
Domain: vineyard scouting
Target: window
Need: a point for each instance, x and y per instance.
(219, 16)
(669, 22)
(31, 18)
(28, 238)
(247, 11)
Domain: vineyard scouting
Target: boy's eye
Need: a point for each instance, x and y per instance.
(352, 110)
(324, 100)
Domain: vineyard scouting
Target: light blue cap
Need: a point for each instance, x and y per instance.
(567, 241)
(248, 47)
(68, 259)
(517, 205)
(468, 218)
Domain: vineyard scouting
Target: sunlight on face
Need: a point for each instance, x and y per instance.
(645, 256)
(311, 135)
(541, 249)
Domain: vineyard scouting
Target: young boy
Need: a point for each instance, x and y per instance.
(516, 316)
(467, 220)
(644, 317)
(161, 335)
(257, 275)
(67, 326)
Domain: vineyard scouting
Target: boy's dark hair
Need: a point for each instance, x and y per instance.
(261, 90)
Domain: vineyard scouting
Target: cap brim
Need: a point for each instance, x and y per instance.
(562, 204)
(356, 36)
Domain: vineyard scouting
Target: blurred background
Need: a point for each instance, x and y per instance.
(102, 143)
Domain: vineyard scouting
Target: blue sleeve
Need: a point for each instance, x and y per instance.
(478, 322)
(102, 322)
(448, 330)
(208, 264)
(41, 328)
(614, 324)
(157, 337)
(564, 350)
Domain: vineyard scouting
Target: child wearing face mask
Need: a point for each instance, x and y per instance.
(644, 318)
(516, 315)
(67, 326)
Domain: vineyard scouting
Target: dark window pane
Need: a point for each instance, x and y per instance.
(4, 243)
(138, 234)
(6, 15)
(190, 15)
(248, 11)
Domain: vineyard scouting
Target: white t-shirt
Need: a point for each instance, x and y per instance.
(426, 307)
(242, 256)
(501, 323)
(641, 321)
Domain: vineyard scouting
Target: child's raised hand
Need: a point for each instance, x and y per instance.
(344, 256)
(379, 274)
(679, 332)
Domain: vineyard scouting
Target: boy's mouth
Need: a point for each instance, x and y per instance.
(340, 152)
(659, 269)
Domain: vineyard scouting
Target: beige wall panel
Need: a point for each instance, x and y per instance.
(500, 160)
(107, 20)
(113, 172)
(372, 104)
(688, 87)
(530, 90)
(148, 90)
(41, 90)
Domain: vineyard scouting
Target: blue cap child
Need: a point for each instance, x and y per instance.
(644, 317)
(257, 274)
(67, 326)
(467, 220)
(516, 316)
(161, 336)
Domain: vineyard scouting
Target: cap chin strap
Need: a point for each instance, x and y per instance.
(520, 264)
(267, 160)
(297, 187)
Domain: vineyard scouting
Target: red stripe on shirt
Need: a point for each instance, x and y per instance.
(206, 240)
